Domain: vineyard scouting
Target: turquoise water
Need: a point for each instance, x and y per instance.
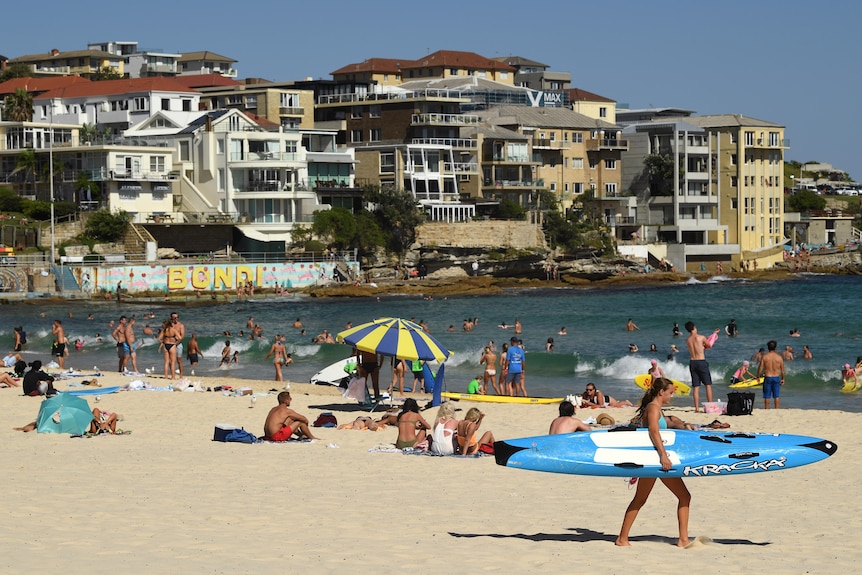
(824, 308)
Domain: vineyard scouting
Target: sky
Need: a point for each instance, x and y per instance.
(789, 62)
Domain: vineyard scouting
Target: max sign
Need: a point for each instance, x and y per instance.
(540, 99)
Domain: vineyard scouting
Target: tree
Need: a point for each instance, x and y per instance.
(336, 226)
(660, 170)
(16, 71)
(18, 106)
(805, 200)
(397, 215)
(106, 226)
(9, 200)
(26, 164)
(106, 73)
(509, 210)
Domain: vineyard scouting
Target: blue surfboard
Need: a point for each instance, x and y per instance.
(94, 391)
(626, 452)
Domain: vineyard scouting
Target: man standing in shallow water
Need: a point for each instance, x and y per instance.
(697, 366)
(772, 368)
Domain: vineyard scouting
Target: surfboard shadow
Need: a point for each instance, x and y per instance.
(583, 535)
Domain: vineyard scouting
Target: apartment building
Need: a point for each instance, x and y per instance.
(141, 63)
(84, 63)
(536, 76)
(725, 203)
(592, 105)
(132, 176)
(571, 153)
(113, 105)
(206, 62)
(279, 102)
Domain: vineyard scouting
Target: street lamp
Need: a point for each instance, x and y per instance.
(51, 172)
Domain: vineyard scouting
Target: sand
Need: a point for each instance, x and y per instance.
(167, 499)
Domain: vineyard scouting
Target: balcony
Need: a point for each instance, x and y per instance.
(607, 144)
(455, 143)
(282, 111)
(161, 68)
(428, 93)
(545, 144)
(444, 119)
(516, 184)
(238, 157)
(461, 167)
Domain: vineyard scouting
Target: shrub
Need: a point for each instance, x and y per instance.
(106, 226)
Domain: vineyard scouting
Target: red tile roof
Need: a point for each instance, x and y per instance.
(39, 85)
(116, 87)
(455, 59)
(379, 65)
(578, 95)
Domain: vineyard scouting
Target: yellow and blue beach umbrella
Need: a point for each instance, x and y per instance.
(395, 337)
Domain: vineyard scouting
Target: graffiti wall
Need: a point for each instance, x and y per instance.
(204, 277)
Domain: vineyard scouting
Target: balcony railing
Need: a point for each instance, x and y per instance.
(461, 167)
(457, 143)
(607, 144)
(284, 111)
(448, 119)
(365, 97)
(264, 157)
(552, 144)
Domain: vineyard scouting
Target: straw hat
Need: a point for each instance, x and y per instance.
(605, 419)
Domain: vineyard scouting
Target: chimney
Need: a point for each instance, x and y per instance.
(54, 51)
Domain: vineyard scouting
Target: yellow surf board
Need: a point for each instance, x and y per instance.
(850, 387)
(499, 398)
(644, 380)
(754, 382)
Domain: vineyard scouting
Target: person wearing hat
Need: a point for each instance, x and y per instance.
(742, 373)
(37, 382)
(654, 369)
(851, 380)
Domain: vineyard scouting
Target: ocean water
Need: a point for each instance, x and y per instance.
(824, 308)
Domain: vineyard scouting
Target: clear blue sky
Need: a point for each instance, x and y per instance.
(789, 62)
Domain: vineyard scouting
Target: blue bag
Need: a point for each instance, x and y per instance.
(240, 436)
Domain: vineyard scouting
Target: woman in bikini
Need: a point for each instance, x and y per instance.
(593, 398)
(412, 427)
(399, 367)
(467, 429)
(650, 413)
(168, 338)
(489, 358)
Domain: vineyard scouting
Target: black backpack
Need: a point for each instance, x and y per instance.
(740, 403)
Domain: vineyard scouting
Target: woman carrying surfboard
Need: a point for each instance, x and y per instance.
(650, 413)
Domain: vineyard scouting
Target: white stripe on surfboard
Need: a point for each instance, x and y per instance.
(630, 438)
(644, 457)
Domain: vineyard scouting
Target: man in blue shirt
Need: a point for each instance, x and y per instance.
(515, 362)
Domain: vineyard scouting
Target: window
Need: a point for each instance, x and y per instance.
(565, 162)
(355, 112)
(773, 139)
(603, 112)
(610, 164)
(578, 188)
(749, 138)
(166, 104)
(374, 135)
(139, 105)
(290, 146)
(733, 137)
(387, 162)
(733, 159)
(504, 75)
(553, 186)
(288, 100)
(734, 203)
(355, 135)
(374, 111)
(251, 101)
(593, 164)
(734, 181)
(157, 164)
(611, 189)
(553, 136)
(220, 146)
(517, 153)
(453, 71)
(577, 163)
(577, 138)
(234, 100)
(233, 123)
(566, 187)
(185, 153)
(187, 105)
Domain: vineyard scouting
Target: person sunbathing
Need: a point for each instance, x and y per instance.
(282, 422)
(6, 380)
(467, 443)
(567, 422)
(363, 422)
(412, 427)
(103, 422)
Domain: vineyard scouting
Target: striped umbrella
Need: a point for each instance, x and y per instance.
(395, 337)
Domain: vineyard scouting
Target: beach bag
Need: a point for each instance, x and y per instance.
(325, 419)
(240, 436)
(740, 403)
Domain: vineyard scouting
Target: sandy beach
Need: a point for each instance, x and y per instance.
(167, 499)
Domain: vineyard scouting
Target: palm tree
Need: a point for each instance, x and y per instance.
(27, 163)
(18, 107)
